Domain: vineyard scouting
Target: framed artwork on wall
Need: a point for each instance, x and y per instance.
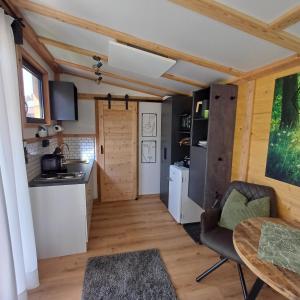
(149, 125)
(283, 159)
(148, 151)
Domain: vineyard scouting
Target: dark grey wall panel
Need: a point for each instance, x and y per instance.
(220, 142)
(206, 188)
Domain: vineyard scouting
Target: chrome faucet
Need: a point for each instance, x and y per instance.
(59, 150)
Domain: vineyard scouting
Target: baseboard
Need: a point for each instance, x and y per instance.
(149, 196)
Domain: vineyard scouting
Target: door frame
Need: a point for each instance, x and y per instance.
(99, 157)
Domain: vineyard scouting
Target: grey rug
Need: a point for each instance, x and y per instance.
(133, 275)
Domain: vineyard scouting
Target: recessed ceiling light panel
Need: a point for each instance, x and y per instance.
(138, 61)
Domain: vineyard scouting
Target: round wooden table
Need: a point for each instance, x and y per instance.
(246, 239)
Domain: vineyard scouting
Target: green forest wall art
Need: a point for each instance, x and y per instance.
(283, 160)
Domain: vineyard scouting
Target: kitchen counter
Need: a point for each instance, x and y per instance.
(86, 168)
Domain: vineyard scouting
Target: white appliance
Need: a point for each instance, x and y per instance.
(181, 207)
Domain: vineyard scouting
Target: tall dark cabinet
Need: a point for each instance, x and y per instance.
(173, 110)
(213, 122)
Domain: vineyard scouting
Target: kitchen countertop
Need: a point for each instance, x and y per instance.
(72, 167)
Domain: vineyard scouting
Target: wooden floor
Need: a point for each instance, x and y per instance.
(143, 224)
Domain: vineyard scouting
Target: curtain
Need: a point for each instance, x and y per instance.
(18, 240)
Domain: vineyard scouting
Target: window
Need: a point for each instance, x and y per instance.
(34, 90)
(33, 93)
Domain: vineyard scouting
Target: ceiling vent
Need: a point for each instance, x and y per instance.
(138, 61)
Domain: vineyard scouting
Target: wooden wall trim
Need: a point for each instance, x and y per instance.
(243, 129)
(97, 153)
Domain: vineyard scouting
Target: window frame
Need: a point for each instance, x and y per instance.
(25, 59)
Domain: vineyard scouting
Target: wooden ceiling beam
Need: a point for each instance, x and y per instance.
(91, 96)
(31, 37)
(241, 21)
(119, 77)
(113, 84)
(279, 65)
(124, 37)
(104, 57)
(288, 19)
(184, 80)
(71, 48)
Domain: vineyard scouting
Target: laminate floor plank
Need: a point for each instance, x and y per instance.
(136, 225)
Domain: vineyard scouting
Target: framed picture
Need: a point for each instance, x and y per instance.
(149, 125)
(148, 151)
(284, 151)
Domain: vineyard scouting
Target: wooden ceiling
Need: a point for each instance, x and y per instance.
(211, 41)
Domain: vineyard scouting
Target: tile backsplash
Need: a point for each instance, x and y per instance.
(79, 148)
(35, 152)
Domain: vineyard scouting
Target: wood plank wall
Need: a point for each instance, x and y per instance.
(255, 100)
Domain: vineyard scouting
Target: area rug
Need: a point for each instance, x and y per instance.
(193, 230)
(132, 275)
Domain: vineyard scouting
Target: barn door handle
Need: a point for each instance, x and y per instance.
(102, 150)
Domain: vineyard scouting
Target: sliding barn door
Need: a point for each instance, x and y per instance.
(117, 150)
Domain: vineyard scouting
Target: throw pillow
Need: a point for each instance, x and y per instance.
(237, 208)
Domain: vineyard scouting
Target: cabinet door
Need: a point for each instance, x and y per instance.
(175, 188)
(220, 142)
(166, 140)
(197, 175)
(89, 203)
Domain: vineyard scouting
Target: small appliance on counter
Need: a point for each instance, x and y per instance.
(52, 163)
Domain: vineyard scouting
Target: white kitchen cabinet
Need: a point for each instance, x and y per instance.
(61, 218)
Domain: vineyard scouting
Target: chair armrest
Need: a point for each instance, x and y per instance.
(209, 219)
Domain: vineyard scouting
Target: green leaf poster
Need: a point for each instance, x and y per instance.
(283, 160)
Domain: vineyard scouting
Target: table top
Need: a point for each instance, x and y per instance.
(246, 239)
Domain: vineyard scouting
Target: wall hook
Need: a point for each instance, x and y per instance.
(126, 101)
(109, 100)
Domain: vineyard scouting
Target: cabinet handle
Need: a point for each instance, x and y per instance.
(102, 151)
(220, 159)
(165, 153)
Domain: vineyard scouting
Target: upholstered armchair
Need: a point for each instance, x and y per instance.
(218, 238)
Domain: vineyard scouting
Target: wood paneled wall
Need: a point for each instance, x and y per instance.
(255, 101)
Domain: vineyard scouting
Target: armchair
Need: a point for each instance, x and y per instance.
(218, 238)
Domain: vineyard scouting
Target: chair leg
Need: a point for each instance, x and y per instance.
(214, 267)
(242, 280)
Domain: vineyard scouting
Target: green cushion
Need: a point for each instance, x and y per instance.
(237, 208)
(280, 245)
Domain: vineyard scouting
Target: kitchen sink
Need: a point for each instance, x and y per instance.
(75, 161)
